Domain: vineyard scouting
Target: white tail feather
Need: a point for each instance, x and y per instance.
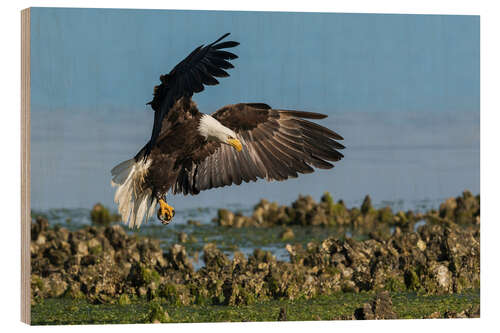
(134, 201)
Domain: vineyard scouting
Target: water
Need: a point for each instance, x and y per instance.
(406, 160)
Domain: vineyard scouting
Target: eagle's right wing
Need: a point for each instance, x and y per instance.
(199, 68)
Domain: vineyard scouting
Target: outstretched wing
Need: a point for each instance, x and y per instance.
(199, 68)
(277, 144)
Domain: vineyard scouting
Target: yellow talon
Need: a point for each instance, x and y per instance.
(166, 212)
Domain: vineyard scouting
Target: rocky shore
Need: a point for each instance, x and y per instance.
(107, 265)
(463, 210)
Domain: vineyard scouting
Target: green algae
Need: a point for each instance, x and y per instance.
(332, 307)
(100, 215)
(412, 280)
(157, 314)
(124, 300)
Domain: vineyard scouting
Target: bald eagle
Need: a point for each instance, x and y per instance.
(189, 151)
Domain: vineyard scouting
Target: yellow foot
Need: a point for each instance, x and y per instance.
(166, 212)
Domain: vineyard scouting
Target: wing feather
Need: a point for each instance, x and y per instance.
(227, 175)
(277, 145)
(199, 68)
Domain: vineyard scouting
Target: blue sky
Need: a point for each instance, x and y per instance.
(96, 59)
(390, 81)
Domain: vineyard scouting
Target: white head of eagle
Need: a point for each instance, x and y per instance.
(212, 130)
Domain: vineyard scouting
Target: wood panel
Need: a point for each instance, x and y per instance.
(25, 168)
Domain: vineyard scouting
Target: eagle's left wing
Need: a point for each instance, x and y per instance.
(277, 144)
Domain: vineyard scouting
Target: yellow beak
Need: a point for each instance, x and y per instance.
(235, 143)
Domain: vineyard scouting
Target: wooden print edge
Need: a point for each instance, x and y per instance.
(25, 168)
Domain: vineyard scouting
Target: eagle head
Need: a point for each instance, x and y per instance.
(212, 130)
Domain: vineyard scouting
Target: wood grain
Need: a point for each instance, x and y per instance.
(25, 168)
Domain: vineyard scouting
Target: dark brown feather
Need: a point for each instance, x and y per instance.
(277, 145)
(200, 67)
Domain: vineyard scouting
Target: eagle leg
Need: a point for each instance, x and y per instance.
(166, 212)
